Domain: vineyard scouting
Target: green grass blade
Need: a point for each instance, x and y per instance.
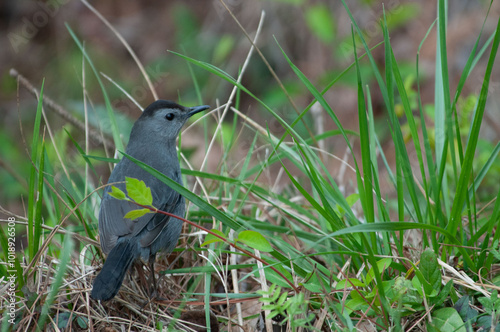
(433, 192)
(466, 169)
(195, 199)
(241, 177)
(276, 158)
(400, 226)
(444, 94)
(319, 98)
(33, 201)
(82, 152)
(376, 72)
(66, 252)
(490, 225)
(484, 170)
(365, 187)
(114, 127)
(403, 164)
(40, 200)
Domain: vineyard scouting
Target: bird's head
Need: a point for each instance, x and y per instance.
(162, 120)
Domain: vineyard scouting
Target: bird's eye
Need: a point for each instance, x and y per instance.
(169, 116)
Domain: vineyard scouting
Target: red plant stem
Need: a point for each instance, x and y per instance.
(223, 239)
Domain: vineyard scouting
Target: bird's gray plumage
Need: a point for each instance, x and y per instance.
(152, 141)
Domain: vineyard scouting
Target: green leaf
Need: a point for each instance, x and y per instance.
(274, 277)
(134, 214)
(210, 238)
(282, 299)
(139, 192)
(268, 307)
(352, 199)
(381, 266)
(223, 48)
(354, 304)
(55, 287)
(446, 319)
(404, 292)
(443, 294)
(350, 282)
(270, 291)
(463, 306)
(316, 283)
(118, 194)
(467, 165)
(320, 21)
(82, 322)
(313, 288)
(195, 199)
(34, 196)
(255, 240)
(422, 285)
(429, 268)
(62, 320)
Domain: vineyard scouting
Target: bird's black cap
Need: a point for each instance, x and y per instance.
(163, 104)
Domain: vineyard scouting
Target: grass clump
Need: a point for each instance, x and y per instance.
(283, 239)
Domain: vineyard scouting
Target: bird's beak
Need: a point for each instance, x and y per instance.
(197, 109)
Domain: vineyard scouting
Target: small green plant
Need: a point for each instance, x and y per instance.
(280, 203)
(140, 194)
(491, 306)
(294, 309)
(489, 320)
(428, 280)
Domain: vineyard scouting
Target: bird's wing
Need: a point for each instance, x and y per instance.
(112, 223)
(160, 221)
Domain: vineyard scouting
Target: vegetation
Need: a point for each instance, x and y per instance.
(390, 241)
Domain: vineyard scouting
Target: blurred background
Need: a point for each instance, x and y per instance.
(316, 36)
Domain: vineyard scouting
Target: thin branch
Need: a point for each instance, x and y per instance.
(59, 110)
(270, 68)
(127, 46)
(246, 252)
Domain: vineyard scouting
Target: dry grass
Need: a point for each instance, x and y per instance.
(59, 279)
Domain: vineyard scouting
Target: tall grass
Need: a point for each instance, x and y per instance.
(345, 255)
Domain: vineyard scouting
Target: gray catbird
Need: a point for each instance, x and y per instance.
(152, 141)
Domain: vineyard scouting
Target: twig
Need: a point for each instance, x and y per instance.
(265, 289)
(14, 173)
(271, 70)
(246, 252)
(58, 230)
(127, 46)
(235, 89)
(123, 91)
(234, 276)
(59, 110)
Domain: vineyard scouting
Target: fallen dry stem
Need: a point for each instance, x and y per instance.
(59, 110)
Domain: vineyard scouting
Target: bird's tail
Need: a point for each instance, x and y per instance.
(108, 282)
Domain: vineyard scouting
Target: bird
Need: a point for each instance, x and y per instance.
(152, 141)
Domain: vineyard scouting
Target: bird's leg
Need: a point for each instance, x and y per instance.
(153, 292)
(139, 266)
